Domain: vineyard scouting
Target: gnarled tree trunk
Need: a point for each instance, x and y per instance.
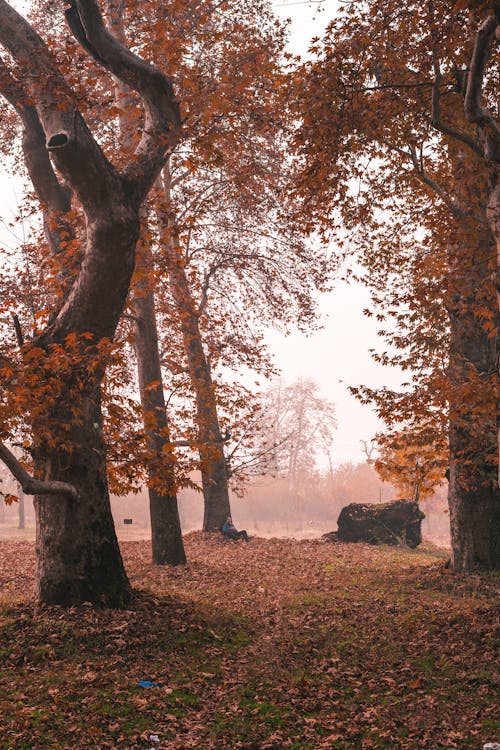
(78, 554)
(78, 558)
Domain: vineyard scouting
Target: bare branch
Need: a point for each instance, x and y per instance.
(419, 170)
(473, 110)
(393, 87)
(174, 366)
(206, 286)
(30, 485)
(19, 332)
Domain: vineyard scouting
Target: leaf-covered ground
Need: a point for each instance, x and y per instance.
(274, 644)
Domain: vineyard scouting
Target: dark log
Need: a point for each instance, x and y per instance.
(396, 523)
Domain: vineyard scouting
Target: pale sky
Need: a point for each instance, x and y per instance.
(338, 355)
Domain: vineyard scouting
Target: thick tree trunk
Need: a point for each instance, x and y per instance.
(473, 494)
(167, 544)
(474, 524)
(78, 558)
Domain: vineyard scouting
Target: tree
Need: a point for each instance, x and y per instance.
(227, 250)
(383, 105)
(293, 428)
(412, 468)
(55, 382)
(166, 536)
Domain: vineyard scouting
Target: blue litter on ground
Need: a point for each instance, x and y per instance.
(148, 683)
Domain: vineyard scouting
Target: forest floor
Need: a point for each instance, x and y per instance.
(274, 644)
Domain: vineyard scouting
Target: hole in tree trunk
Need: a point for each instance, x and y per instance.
(58, 140)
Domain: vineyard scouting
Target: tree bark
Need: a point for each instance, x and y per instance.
(20, 509)
(78, 558)
(167, 544)
(473, 494)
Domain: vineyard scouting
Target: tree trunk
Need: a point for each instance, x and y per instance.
(473, 494)
(167, 544)
(20, 509)
(210, 444)
(78, 558)
(213, 465)
(474, 525)
(493, 214)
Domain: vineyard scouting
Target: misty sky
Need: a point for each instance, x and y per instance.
(340, 352)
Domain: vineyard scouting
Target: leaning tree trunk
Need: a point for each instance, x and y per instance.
(473, 494)
(213, 466)
(167, 544)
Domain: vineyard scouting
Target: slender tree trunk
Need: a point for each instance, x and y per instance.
(213, 465)
(20, 508)
(78, 558)
(493, 214)
(166, 534)
(473, 495)
(167, 544)
(211, 447)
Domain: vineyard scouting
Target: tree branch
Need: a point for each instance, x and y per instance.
(162, 116)
(30, 485)
(47, 186)
(473, 110)
(436, 112)
(77, 155)
(423, 177)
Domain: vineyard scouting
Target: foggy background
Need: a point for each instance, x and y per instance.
(270, 508)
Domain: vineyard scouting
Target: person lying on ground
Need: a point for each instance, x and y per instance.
(229, 529)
